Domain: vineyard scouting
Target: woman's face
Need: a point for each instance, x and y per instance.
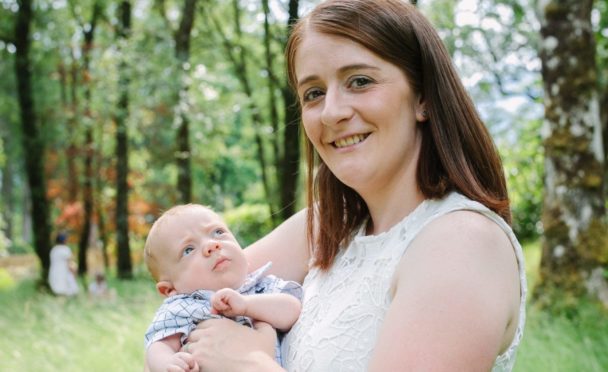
(359, 112)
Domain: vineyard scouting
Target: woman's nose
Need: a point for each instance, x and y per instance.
(211, 247)
(336, 107)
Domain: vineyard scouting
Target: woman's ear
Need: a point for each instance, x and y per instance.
(165, 288)
(422, 114)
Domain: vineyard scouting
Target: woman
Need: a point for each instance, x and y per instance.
(61, 273)
(405, 251)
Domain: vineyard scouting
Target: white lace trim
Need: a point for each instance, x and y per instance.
(343, 309)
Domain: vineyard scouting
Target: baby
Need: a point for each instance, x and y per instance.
(201, 269)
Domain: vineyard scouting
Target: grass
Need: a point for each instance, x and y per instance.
(42, 332)
(558, 343)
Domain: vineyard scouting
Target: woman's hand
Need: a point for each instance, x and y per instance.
(224, 345)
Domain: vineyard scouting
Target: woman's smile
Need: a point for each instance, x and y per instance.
(349, 140)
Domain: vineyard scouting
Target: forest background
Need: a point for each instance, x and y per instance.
(113, 111)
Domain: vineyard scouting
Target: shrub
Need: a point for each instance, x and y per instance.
(248, 222)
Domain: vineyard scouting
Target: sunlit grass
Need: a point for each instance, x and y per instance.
(40, 332)
(558, 343)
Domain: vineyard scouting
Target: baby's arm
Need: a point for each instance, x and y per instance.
(164, 356)
(280, 310)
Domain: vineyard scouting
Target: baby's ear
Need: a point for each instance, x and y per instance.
(165, 288)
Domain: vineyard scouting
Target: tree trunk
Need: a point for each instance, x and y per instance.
(124, 265)
(290, 163)
(33, 143)
(99, 200)
(575, 246)
(7, 189)
(604, 118)
(87, 187)
(184, 152)
(272, 86)
(87, 195)
(72, 149)
(70, 110)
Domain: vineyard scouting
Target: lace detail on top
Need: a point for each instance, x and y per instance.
(343, 309)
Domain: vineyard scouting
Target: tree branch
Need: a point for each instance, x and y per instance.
(497, 77)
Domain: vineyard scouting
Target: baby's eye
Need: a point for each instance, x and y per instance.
(219, 232)
(311, 95)
(359, 82)
(187, 251)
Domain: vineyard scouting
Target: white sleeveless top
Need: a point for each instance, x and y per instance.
(343, 309)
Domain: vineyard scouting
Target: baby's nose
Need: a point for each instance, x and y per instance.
(211, 247)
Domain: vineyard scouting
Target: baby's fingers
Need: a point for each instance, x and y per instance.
(184, 363)
(219, 303)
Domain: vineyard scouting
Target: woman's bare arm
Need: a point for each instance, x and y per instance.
(456, 299)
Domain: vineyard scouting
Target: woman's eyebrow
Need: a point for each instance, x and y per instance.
(341, 70)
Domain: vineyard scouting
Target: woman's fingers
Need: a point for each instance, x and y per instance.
(225, 345)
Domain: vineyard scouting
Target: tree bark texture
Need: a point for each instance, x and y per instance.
(575, 247)
(72, 152)
(604, 118)
(8, 202)
(89, 145)
(290, 162)
(99, 199)
(124, 266)
(184, 152)
(33, 143)
(70, 109)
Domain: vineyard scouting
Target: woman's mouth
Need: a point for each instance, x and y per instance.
(350, 140)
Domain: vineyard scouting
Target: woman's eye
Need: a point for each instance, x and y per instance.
(311, 95)
(359, 82)
(187, 251)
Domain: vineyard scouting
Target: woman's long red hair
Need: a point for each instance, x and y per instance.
(457, 151)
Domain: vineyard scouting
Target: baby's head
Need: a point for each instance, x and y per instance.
(190, 247)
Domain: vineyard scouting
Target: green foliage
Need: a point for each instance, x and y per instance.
(248, 222)
(19, 247)
(559, 343)
(601, 37)
(523, 163)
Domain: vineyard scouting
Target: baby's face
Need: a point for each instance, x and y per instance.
(198, 251)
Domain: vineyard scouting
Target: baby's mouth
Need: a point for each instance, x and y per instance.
(349, 141)
(219, 263)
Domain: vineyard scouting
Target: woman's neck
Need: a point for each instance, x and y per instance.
(391, 204)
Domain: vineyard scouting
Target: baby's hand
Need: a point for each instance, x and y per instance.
(182, 362)
(228, 302)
